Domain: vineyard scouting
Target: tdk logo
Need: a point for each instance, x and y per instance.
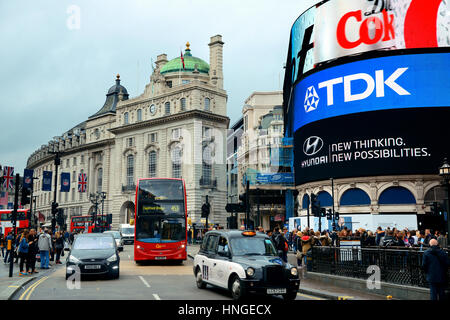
(311, 99)
(378, 84)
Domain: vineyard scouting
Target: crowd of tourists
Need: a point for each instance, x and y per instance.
(30, 245)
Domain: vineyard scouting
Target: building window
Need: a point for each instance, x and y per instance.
(206, 132)
(139, 115)
(167, 107)
(130, 170)
(82, 159)
(152, 164)
(125, 118)
(183, 104)
(67, 163)
(75, 161)
(153, 137)
(74, 176)
(176, 162)
(176, 133)
(206, 166)
(73, 194)
(99, 179)
(207, 104)
(129, 142)
(185, 81)
(169, 84)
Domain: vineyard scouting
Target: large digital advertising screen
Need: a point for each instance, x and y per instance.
(378, 116)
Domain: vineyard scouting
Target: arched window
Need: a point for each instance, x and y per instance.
(130, 170)
(305, 201)
(355, 197)
(396, 195)
(207, 104)
(325, 199)
(99, 179)
(125, 118)
(167, 107)
(183, 104)
(139, 115)
(176, 162)
(152, 164)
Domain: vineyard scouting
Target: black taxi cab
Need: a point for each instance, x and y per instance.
(244, 262)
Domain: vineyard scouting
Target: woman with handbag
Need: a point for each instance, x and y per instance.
(23, 252)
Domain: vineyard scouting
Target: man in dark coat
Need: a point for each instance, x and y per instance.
(435, 264)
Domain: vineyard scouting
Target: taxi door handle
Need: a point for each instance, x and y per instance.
(214, 264)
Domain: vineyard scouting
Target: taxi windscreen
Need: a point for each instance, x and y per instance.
(252, 246)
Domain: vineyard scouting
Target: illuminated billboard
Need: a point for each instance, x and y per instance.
(377, 116)
(338, 28)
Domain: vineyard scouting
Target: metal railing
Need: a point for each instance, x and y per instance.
(397, 266)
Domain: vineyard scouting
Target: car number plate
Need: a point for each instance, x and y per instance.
(93, 266)
(160, 258)
(276, 291)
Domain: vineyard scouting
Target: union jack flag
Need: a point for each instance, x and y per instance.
(82, 182)
(8, 175)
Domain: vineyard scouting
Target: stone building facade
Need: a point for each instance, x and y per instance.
(176, 128)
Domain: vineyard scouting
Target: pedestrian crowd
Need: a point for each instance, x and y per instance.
(31, 245)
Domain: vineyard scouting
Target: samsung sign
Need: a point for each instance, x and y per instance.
(404, 81)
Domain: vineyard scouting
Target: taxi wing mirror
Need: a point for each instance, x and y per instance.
(224, 254)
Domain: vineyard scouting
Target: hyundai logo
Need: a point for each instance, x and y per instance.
(312, 145)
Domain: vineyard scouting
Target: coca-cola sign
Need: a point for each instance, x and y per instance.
(337, 28)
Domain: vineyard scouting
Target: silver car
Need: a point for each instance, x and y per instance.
(118, 237)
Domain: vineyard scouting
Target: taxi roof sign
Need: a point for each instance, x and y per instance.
(249, 233)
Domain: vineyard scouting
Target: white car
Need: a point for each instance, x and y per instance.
(244, 262)
(117, 237)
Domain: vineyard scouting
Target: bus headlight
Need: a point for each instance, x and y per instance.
(250, 272)
(294, 272)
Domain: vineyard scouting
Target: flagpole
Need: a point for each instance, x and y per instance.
(181, 62)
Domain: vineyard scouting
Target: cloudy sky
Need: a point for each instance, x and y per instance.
(55, 69)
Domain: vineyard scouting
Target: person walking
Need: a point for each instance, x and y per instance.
(52, 251)
(442, 241)
(59, 246)
(45, 246)
(280, 243)
(32, 251)
(23, 252)
(8, 251)
(2, 244)
(435, 265)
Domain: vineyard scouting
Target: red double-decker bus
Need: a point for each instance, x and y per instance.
(160, 220)
(79, 223)
(23, 220)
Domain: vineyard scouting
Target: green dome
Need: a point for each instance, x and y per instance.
(175, 65)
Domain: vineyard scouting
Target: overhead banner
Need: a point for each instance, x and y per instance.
(47, 181)
(338, 28)
(28, 178)
(65, 182)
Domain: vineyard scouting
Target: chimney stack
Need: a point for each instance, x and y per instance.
(216, 61)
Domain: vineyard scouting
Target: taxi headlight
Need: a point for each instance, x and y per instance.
(250, 272)
(112, 258)
(294, 272)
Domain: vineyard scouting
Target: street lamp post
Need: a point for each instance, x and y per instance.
(103, 197)
(444, 172)
(95, 199)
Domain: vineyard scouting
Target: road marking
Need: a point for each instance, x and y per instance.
(345, 298)
(145, 282)
(13, 286)
(156, 296)
(308, 296)
(31, 289)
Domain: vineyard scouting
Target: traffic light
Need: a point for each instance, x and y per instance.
(329, 214)
(243, 198)
(315, 205)
(109, 218)
(60, 217)
(54, 208)
(205, 210)
(26, 199)
(323, 212)
(336, 215)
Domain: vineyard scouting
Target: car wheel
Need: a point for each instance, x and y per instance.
(290, 295)
(236, 289)
(115, 275)
(199, 279)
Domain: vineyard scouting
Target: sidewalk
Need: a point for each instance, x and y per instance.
(9, 286)
(314, 287)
